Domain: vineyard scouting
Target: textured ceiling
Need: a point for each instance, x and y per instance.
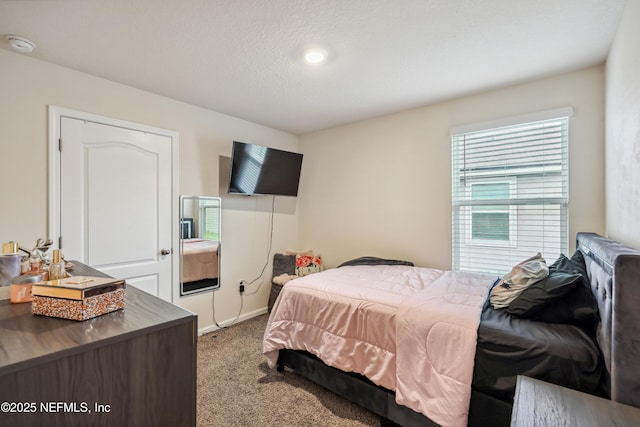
(242, 57)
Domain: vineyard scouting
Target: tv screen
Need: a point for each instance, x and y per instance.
(262, 170)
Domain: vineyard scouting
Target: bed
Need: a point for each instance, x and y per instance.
(199, 263)
(597, 357)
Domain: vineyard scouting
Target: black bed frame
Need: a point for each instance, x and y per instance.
(614, 272)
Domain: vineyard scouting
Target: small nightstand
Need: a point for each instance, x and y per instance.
(541, 404)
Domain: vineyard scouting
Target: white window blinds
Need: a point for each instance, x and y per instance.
(510, 193)
(210, 224)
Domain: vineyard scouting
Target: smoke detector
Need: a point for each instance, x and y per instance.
(19, 43)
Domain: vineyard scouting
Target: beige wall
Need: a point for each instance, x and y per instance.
(377, 187)
(623, 131)
(382, 187)
(28, 86)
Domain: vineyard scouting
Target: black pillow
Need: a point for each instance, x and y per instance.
(372, 260)
(578, 306)
(575, 265)
(542, 293)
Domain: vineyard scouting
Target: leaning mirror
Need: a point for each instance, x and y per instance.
(199, 244)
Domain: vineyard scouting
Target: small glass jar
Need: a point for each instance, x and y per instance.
(25, 266)
(35, 264)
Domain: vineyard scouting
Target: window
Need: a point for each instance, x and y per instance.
(210, 220)
(510, 191)
(494, 222)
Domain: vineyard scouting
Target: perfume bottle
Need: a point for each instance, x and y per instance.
(56, 268)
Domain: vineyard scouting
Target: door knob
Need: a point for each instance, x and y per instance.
(165, 251)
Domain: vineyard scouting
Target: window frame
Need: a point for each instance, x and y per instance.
(474, 150)
(511, 210)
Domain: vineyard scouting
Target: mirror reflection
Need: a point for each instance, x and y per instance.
(199, 244)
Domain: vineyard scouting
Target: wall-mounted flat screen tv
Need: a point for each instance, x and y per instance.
(262, 170)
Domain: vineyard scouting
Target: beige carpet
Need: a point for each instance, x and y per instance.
(236, 388)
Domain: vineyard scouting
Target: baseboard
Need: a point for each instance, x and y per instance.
(229, 322)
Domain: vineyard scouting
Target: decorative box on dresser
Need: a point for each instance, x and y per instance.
(541, 404)
(131, 367)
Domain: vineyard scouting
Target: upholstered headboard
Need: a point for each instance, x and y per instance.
(614, 272)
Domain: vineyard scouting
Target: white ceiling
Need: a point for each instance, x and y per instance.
(241, 57)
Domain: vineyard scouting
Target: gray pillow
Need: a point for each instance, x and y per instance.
(284, 264)
(543, 293)
(521, 276)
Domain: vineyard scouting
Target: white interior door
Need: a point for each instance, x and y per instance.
(116, 202)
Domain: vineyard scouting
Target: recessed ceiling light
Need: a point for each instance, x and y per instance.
(19, 43)
(315, 55)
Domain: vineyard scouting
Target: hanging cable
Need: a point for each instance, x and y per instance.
(213, 310)
(273, 204)
(242, 295)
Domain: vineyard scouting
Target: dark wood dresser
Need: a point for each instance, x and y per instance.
(541, 404)
(132, 367)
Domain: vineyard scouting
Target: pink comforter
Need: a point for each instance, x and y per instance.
(408, 329)
(199, 259)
